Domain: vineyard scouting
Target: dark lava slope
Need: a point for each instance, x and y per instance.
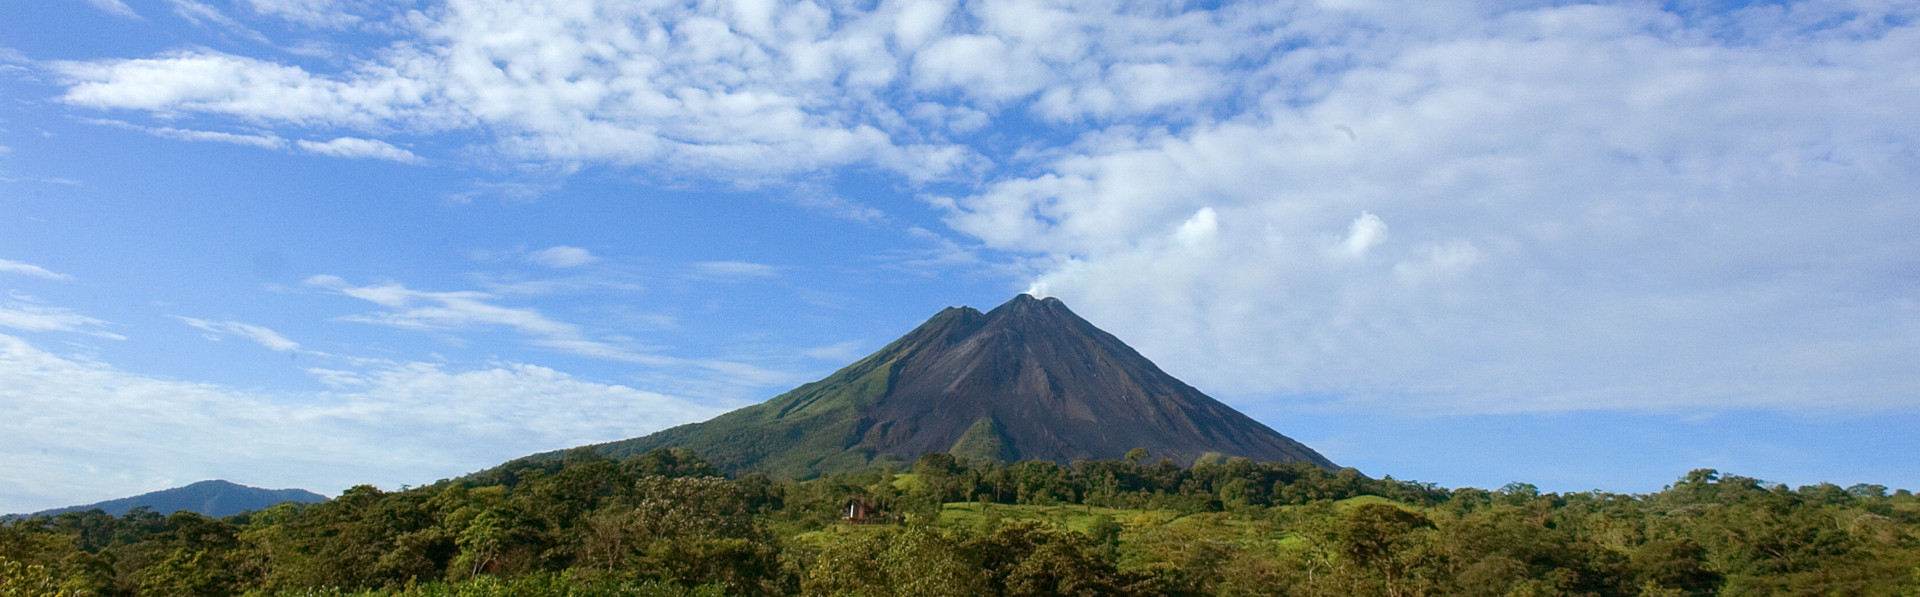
(1027, 380)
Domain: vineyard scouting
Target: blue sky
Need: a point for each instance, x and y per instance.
(318, 243)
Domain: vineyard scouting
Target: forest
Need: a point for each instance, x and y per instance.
(664, 524)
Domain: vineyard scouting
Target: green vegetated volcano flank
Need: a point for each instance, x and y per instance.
(214, 498)
(1029, 380)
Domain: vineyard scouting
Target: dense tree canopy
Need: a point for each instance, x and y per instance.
(661, 524)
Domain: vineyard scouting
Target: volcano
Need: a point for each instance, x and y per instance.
(1029, 380)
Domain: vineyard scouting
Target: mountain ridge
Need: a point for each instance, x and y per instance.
(214, 498)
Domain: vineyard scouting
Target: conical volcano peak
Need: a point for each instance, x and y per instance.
(1031, 314)
(1028, 380)
(1027, 304)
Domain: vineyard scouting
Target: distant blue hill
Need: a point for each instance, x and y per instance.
(212, 498)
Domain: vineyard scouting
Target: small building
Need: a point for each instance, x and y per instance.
(859, 511)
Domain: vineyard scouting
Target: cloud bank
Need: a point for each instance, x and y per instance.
(1452, 206)
(1590, 207)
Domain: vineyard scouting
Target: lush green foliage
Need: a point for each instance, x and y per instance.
(661, 525)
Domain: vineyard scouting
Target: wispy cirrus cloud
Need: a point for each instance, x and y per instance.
(357, 148)
(22, 312)
(28, 269)
(734, 270)
(331, 14)
(116, 8)
(340, 147)
(206, 15)
(562, 257)
(464, 310)
(220, 329)
(424, 310)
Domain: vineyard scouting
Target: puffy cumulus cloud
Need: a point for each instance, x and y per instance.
(562, 257)
(82, 431)
(1592, 207)
(260, 335)
(730, 89)
(1366, 232)
(609, 82)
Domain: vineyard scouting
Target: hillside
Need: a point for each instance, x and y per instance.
(213, 498)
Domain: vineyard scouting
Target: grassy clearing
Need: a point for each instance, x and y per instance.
(1078, 518)
(1350, 503)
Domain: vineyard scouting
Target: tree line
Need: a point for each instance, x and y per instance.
(664, 524)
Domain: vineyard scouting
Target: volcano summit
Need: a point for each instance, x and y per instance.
(1029, 380)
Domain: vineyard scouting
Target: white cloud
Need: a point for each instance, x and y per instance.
(340, 147)
(205, 15)
(263, 141)
(735, 269)
(562, 257)
(1567, 184)
(1200, 229)
(59, 181)
(1595, 207)
(15, 267)
(463, 310)
(265, 337)
(210, 82)
(351, 147)
(115, 7)
(414, 309)
(22, 313)
(1366, 232)
(315, 13)
(594, 82)
(835, 205)
(35, 318)
(83, 431)
(260, 141)
(982, 65)
(729, 90)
